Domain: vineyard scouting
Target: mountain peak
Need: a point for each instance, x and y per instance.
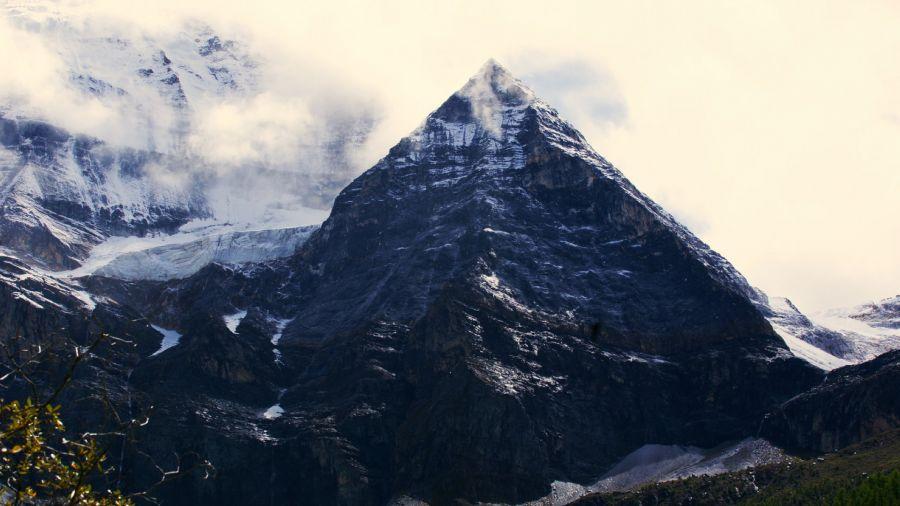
(492, 94)
(493, 110)
(491, 71)
(494, 82)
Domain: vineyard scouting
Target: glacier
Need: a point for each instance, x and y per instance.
(837, 337)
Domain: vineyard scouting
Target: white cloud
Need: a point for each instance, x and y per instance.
(33, 77)
(261, 129)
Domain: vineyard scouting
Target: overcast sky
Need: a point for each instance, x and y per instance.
(771, 129)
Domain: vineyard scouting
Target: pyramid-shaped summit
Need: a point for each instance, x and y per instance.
(493, 107)
(512, 311)
(495, 79)
(495, 183)
(494, 90)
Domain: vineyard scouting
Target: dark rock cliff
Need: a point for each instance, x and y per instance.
(852, 404)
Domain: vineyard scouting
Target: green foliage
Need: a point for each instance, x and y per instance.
(881, 489)
(38, 464)
(42, 463)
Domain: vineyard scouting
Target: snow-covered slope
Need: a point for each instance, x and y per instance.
(838, 337)
(883, 314)
(62, 193)
(869, 329)
(181, 260)
(170, 338)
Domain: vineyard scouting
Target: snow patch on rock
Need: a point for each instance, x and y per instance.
(171, 338)
(233, 320)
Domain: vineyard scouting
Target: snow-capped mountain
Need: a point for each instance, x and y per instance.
(156, 83)
(489, 310)
(62, 192)
(471, 170)
(492, 306)
(191, 91)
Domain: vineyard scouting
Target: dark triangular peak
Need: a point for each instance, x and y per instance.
(511, 311)
(494, 184)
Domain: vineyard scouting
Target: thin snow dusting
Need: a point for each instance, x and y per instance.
(24, 281)
(171, 338)
(406, 500)
(644, 358)
(491, 280)
(509, 380)
(86, 298)
(491, 283)
(233, 320)
(21, 296)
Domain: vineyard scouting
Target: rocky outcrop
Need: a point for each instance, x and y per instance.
(852, 404)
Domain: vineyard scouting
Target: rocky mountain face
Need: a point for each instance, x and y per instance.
(489, 309)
